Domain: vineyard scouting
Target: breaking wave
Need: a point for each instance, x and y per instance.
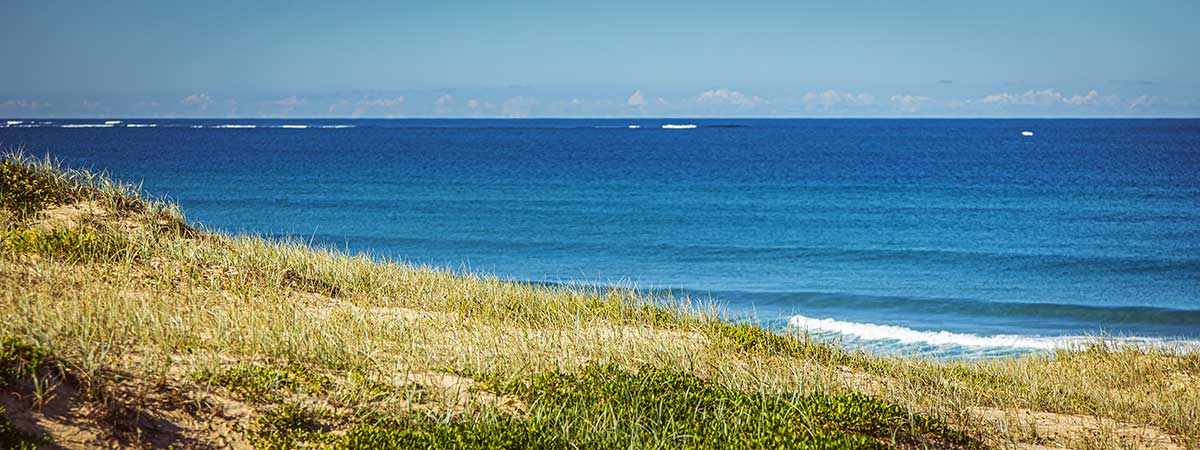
(905, 335)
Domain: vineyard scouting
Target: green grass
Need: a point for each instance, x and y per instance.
(27, 189)
(266, 384)
(19, 359)
(606, 407)
(81, 244)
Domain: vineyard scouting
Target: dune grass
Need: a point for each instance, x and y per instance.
(153, 333)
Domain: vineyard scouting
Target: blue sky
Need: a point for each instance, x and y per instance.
(600, 59)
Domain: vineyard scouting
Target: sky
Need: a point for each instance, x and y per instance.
(846, 58)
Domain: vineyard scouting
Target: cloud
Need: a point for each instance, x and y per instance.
(287, 102)
(200, 101)
(1089, 99)
(443, 104)
(1050, 99)
(472, 103)
(381, 102)
(728, 97)
(386, 105)
(1030, 97)
(518, 106)
(25, 104)
(636, 99)
(1148, 102)
(833, 101)
(909, 103)
(578, 101)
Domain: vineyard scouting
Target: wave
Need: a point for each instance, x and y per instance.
(337, 126)
(294, 127)
(14, 122)
(112, 122)
(86, 125)
(673, 126)
(141, 125)
(876, 332)
(904, 335)
(238, 126)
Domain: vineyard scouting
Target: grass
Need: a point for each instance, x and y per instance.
(193, 338)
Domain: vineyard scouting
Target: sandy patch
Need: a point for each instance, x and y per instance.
(1053, 431)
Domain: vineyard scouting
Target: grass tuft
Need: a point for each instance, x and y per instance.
(266, 384)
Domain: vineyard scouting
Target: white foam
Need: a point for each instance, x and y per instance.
(197, 126)
(672, 126)
(235, 126)
(1026, 133)
(876, 332)
(15, 122)
(298, 127)
(111, 122)
(86, 125)
(635, 126)
(141, 125)
(337, 126)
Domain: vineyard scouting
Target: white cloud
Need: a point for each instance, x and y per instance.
(909, 103)
(636, 99)
(26, 104)
(1043, 97)
(381, 102)
(200, 101)
(831, 100)
(387, 105)
(443, 104)
(518, 106)
(287, 102)
(1147, 102)
(728, 97)
(472, 103)
(1050, 100)
(577, 101)
(1091, 98)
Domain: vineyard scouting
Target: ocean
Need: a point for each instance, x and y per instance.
(943, 238)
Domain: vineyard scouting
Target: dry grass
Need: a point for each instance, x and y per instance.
(162, 333)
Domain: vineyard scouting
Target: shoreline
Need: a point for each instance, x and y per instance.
(123, 325)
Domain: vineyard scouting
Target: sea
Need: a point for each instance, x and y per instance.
(936, 238)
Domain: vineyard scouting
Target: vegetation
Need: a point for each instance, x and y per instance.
(121, 325)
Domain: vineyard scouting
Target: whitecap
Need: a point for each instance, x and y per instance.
(635, 126)
(672, 126)
(877, 332)
(141, 125)
(86, 125)
(297, 127)
(337, 126)
(14, 122)
(233, 125)
(111, 122)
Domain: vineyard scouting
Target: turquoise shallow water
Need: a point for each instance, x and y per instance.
(945, 237)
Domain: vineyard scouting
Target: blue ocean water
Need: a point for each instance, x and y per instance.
(943, 237)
